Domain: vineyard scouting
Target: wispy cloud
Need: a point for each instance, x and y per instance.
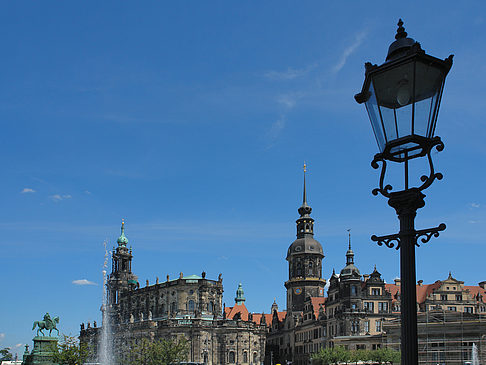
(18, 345)
(2, 336)
(276, 128)
(27, 190)
(290, 73)
(58, 197)
(348, 51)
(475, 205)
(83, 282)
(473, 222)
(289, 100)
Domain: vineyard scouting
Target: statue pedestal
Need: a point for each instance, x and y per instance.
(43, 351)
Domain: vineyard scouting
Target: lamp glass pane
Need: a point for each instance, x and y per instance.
(374, 115)
(429, 79)
(394, 94)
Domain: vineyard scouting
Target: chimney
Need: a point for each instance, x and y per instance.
(397, 281)
(366, 277)
(482, 284)
(420, 282)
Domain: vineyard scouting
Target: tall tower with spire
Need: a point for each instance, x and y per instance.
(121, 278)
(305, 261)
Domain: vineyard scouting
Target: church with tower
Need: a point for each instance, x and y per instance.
(354, 310)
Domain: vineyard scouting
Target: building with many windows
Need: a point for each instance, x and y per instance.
(187, 306)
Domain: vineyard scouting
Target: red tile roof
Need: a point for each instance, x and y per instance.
(316, 303)
(475, 290)
(423, 291)
(230, 313)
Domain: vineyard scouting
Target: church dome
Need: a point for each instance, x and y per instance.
(305, 245)
(350, 270)
(122, 240)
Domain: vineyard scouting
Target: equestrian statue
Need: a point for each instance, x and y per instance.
(47, 324)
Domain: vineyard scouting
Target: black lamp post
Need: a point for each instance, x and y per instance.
(402, 97)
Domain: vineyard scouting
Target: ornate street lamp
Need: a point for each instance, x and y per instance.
(402, 97)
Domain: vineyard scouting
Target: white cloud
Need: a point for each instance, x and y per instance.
(18, 345)
(290, 73)
(289, 100)
(87, 192)
(348, 51)
(473, 222)
(475, 205)
(58, 197)
(277, 128)
(83, 282)
(27, 190)
(2, 336)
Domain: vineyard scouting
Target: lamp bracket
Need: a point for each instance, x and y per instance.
(394, 240)
(428, 233)
(426, 145)
(388, 241)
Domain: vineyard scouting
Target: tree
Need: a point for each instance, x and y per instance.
(5, 354)
(158, 352)
(331, 355)
(70, 352)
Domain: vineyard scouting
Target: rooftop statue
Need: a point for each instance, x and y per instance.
(47, 324)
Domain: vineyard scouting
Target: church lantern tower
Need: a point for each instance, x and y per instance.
(121, 278)
(305, 261)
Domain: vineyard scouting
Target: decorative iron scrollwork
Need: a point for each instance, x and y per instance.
(388, 241)
(425, 146)
(427, 234)
(383, 190)
(428, 180)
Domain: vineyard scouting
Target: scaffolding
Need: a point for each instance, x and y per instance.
(445, 337)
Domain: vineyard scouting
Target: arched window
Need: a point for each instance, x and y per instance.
(172, 307)
(255, 357)
(190, 306)
(205, 358)
(162, 309)
(311, 268)
(299, 269)
(211, 307)
(245, 357)
(231, 357)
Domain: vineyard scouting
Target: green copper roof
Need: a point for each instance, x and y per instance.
(122, 240)
(193, 277)
(240, 295)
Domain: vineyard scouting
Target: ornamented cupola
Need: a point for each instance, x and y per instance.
(240, 295)
(350, 271)
(274, 306)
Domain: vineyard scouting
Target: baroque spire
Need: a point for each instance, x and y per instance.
(305, 224)
(240, 295)
(349, 253)
(122, 240)
(304, 209)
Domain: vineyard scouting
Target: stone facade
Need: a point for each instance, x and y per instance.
(360, 311)
(189, 306)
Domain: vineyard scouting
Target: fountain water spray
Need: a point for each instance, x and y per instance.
(474, 357)
(105, 355)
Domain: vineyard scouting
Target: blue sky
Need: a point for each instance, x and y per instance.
(192, 120)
